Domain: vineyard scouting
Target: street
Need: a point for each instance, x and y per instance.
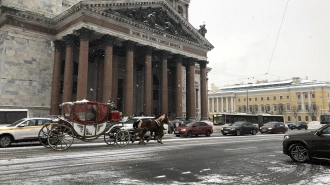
(217, 159)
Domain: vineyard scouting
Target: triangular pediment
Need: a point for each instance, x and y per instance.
(155, 15)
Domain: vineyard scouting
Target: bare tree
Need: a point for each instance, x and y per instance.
(312, 111)
(295, 111)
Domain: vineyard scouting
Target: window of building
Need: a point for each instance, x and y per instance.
(299, 106)
(262, 108)
(306, 107)
(289, 118)
(287, 97)
(262, 98)
(274, 98)
(244, 109)
(244, 99)
(275, 108)
(288, 107)
(249, 99)
(239, 100)
(298, 96)
(250, 108)
(313, 95)
(281, 108)
(239, 109)
(306, 96)
(281, 97)
(255, 99)
(268, 108)
(267, 98)
(299, 118)
(306, 118)
(256, 108)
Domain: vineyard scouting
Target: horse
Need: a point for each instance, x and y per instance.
(156, 126)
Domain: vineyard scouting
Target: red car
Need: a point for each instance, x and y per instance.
(194, 129)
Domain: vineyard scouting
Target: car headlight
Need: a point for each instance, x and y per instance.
(183, 130)
(269, 128)
(232, 129)
(286, 137)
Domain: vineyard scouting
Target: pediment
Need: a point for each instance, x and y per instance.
(155, 15)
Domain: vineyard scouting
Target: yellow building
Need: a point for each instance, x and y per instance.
(296, 99)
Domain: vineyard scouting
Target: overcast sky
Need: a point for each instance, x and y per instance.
(246, 33)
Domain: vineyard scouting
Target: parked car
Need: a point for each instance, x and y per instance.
(288, 124)
(196, 128)
(273, 127)
(307, 146)
(299, 125)
(23, 130)
(240, 128)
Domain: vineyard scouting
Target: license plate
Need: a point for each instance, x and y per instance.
(225, 131)
(176, 132)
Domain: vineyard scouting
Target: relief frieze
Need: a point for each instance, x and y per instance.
(153, 39)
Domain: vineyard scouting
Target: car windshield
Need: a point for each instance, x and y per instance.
(270, 124)
(16, 123)
(189, 124)
(237, 124)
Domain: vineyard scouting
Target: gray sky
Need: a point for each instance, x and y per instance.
(244, 34)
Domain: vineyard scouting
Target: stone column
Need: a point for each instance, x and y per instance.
(226, 104)
(56, 84)
(68, 69)
(204, 114)
(148, 82)
(187, 11)
(164, 84)
(221, 104)
(129, 79)
(302, 101)
(191, 102)
(178, 87)
(234, 104)
(115, 79)
(231, 104)
(100, 73)
(107, 70)
(85, 35)
(309, 101)
(217, 109)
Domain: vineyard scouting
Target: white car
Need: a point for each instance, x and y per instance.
(23, 130)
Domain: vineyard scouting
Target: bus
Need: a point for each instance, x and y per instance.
(257, 119)
(325, 118)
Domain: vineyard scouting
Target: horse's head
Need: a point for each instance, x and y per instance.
(163, 118)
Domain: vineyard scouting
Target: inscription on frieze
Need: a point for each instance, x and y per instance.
(153, 39)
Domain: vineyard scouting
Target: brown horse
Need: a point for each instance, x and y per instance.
(156, 126)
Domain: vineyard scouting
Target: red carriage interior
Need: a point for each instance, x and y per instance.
(89, 113)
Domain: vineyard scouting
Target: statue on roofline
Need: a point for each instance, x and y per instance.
(202, 30)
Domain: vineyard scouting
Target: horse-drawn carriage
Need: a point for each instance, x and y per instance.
(84, 120)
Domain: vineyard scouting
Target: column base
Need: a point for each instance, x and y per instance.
(191, 119)
(179, 118)
(204, 118)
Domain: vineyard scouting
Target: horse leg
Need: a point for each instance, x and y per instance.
(142, 137)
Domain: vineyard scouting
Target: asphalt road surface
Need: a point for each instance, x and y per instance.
(217, 159)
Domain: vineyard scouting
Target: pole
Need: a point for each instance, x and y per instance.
(247, 100)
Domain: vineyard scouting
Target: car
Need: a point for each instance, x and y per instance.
(308, 146)
(273, 127)
(194, 128)
(299, 125)
(23, 130)
(240, 128)
(288, 124)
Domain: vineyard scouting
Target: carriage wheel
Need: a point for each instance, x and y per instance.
(122, 138)
(109, 137)
(43, 135)
(60, 137)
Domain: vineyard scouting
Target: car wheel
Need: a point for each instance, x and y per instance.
(238, 133)
(299, 128)
(305, 128)
(224, 134)
(189, 134)
(208, 133)
(298, 153)
(254, 132)
(5, 141)
(177, 135)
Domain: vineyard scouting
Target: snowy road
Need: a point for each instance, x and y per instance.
(202, 160)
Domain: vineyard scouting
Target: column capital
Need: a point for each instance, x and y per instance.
(148, 50)
(130, 45)
(59, 45)
(84, 33)
(191, 61)
(178, 58)
(69, 39)
(202, 63)
(108, 39)
(164, 54)
(187, 5)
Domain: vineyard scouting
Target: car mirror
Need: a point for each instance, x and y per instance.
(319, 133)
(22, 125)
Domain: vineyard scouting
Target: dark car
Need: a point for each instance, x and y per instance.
(288, 123)
(307, 146)
(193, 129)
(299, 125)
(240, 128)
(273, 127)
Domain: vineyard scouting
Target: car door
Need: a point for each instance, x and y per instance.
(196, 129)
(321, 144)
(203, 127)
(245, 128)
(25, 130)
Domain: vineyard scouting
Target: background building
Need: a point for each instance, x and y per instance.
(296, 99)
(144, 54)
